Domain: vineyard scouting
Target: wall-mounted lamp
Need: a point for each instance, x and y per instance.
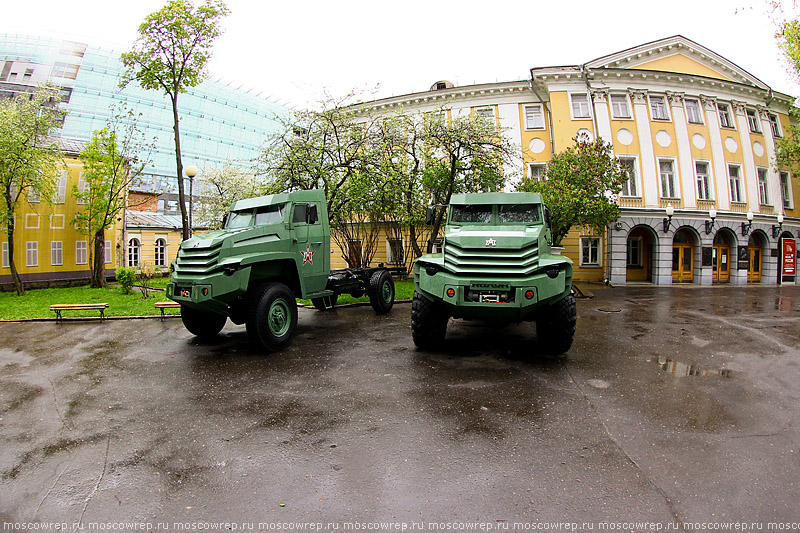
(776, 230)
(746, 227)
(666, 222)
(710, 223)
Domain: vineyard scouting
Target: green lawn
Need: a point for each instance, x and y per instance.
(36, 302)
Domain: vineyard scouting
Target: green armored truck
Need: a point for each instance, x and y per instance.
(495, 264)
(271, 250)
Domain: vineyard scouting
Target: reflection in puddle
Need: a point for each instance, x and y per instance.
(676, 368)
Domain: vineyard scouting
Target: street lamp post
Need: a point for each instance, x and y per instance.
(191, 172)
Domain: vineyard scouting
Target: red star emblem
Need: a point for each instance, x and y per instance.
(308, 255)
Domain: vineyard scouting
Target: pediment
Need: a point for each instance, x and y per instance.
(680, 55)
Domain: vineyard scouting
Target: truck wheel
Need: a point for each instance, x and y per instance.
(428, 322)
(202, 323)
(273, 316)
(555, 329)
(325, 303)
(381, 291)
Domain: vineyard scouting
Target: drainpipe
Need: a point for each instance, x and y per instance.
(532, 85)
(585, 74)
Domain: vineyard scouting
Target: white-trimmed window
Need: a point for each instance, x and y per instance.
(107, 254)
(786, 190)
(580, 106)
(752, 121)
(31, 221)
(161, 252)
(631, 186)
(56, 221)
(658, 108)
(4, 258)
(536, 171)
(763, 189)
(81, 253)
(395, 251)
(534, 117)
(82, 188)
(735, 180)
(32, 253)
(703, 180)
(619, 106)
(724, 111)
(485, 112)
(775, 125)
(134, 249)
(60, 191)
(666, 169)
(694, 114)
(34, 197)
(56, 253)
(590, 251)
(634, 252)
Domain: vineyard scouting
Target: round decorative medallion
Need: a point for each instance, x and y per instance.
(758, 149)
(731, 144)
(624, 136)
(663, 138)
(537, 146)
(698, 141)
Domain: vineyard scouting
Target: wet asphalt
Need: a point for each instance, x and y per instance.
(673, 407)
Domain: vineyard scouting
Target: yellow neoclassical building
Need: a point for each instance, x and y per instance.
(704, 203)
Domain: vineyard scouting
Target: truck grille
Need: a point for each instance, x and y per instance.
(491, 262)
(197, 260)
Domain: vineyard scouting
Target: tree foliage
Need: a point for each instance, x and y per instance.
(219, 188)
(29, 157)
(171, 55)
(580, 187)
(113, 161)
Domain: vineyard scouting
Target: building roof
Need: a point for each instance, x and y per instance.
(146, 219)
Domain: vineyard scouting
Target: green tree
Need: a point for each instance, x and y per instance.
(222, 186)
(113, 161)
(29, 157)
(787, 36)
(580, 187)
(171, 55)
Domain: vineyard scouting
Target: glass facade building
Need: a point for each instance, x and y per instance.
(219, 121)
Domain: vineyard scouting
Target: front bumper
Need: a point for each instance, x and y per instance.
(214, 292)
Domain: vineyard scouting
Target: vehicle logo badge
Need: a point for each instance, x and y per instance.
(491, 242)
(308, 255)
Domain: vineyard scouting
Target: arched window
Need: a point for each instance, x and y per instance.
(134, 247)
(161, 253)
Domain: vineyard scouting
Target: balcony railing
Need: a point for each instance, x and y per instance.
(630, 201)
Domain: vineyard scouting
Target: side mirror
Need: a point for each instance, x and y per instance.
(430, 215)
(311, 214)
(225, 220)
(547, 216)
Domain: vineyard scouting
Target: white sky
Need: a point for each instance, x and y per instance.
(295, 50)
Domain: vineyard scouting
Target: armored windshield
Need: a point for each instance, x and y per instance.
(480, 214)
(519, 214)
(260, 216)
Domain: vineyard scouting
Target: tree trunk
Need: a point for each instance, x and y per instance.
(14, 274)
(179, 165)
(98, 278)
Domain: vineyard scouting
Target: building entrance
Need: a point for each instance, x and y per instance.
(682, 258)
(721, 259)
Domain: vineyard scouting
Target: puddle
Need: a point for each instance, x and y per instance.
(676, 368)
(609, 310)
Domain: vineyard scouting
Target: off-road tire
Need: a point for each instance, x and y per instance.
(325, 303)
(381, 291)
(272, 320)
(428, 323)
(555, 328)
(203, 324)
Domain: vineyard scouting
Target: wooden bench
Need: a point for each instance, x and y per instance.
(60, 308)
(163, 306)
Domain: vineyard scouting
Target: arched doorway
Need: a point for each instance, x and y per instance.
(639, 254)
(721, 258)
(682, 257)
(755, 248)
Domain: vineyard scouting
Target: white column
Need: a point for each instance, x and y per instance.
(773, 176)
(685, 163)
(750, 175)
(721, 186)
(601, 114)
(648, 159)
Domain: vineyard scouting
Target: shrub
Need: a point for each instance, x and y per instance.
(126, 277)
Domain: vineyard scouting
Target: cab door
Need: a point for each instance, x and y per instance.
(308, 238)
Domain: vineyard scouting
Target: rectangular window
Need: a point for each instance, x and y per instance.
(619, 106)
(763, 191)
(752, 121)
(485, 112)
(629, 188)
(60, 192)
(590, 251)
(536, 171)
(6, 263)
(81, 257)
(82, 188)
(693, 114)
(354, 253)
(33, 196)
(395, 251)
(56, 253)
(667, 170)
(31, 221)
(634, 252)
(108, 256)
(786, 190)
(32, 253)
(56, 221)
(724, 111)
(534, 117)
(735, 178)
(773, 123)
(658, 108)
(701, 174)
(580, 106)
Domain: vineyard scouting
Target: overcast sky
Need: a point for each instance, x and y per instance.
(295, 50)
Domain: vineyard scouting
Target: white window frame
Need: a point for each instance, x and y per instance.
(34, 196)
(57, 217)
(482, 112)
(631, 189)
(540, 167)
(786, 189)
(673, 183)
(762, 176)
(694, 111)
(31, 221)
(589, 262)
(775, 124)
(618, 102)
(81, 253)
(737, 194)
(160, 246)
(390, 257)
(724, 109)
(4, 253)
(60, 192)
(532, 118)
(134, 252)
(752, 120)
(577, 107)
(708, 182)
(56, 253)
(32, 253)
(637, 263)
(662, 106)
(82, 187)
(108, 256)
